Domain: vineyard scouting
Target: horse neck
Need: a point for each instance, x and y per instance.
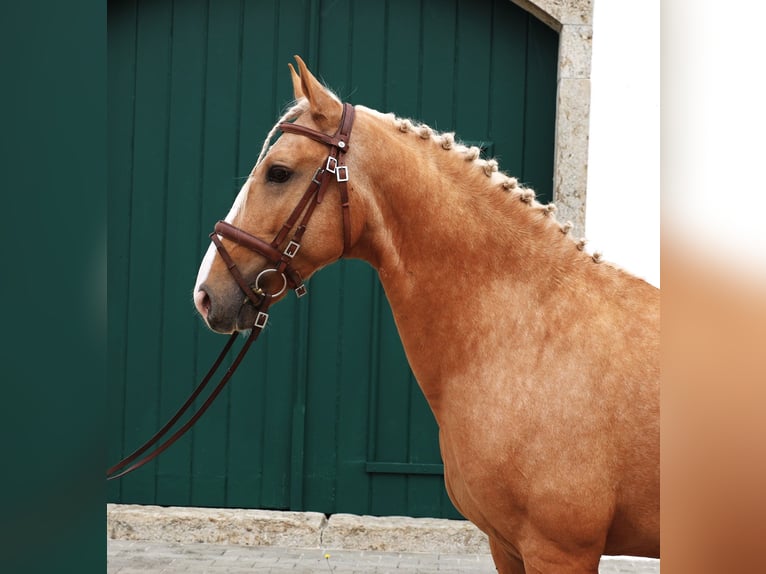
(450, 244)
(432, 213)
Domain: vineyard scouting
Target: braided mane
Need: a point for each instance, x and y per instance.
(490, 168)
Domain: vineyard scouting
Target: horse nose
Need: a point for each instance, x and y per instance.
(219, 306)
(202, 302)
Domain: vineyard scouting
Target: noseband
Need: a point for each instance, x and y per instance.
(280, 258)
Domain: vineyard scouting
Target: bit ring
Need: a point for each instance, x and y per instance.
(257, 287)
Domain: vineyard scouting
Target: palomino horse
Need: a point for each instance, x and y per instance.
(540, 363)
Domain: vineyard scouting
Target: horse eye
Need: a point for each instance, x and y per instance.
(278, 174)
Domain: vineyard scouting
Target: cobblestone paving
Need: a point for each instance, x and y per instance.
(142, 557)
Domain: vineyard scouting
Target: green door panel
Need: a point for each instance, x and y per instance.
(324, 414)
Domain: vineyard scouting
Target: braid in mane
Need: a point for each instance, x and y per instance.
(490, 166)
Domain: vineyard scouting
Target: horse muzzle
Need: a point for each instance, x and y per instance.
(236, 306)
(222, 309)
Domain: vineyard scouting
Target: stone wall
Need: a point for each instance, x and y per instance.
(573, 20)
(246, 527)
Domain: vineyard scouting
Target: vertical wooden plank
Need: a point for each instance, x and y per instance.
(325, 326)
(424, 433)
(423, 492)
(147, 221)
(352, 492)
(334, 40)
(182, 239)
(258, 109)
(472, 77)
(278, 399)
(508, 85)
(438, 69)
(249, 433)
(388, 495)
(391, 421)
(220, 186)
(424, 495)
(403, 57)
(393, 390)
(121, 45)
(293, 38)
(539, 135)
(367, 69)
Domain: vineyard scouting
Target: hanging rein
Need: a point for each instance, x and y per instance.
(281, 259)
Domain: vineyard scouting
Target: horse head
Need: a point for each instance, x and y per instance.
(285, 222)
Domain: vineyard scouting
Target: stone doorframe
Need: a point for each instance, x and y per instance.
(573, 20)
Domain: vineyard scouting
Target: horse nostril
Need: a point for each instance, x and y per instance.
(202, 303)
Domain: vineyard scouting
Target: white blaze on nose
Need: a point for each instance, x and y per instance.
(207, 261)
(238, 203)
(204, 268)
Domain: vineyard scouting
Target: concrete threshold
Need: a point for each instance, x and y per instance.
(249, 527)
(346, 532)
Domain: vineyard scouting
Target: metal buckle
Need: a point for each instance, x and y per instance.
(261, 320)
(341, 169)
(332, 163)
(300, 290)
(291, 249)
(317, 173)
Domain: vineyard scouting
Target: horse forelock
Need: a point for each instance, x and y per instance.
(293, 111)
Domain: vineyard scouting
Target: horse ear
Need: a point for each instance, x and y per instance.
(323, 105)
(297, 90)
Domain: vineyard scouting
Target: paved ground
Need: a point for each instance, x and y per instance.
(137, 556)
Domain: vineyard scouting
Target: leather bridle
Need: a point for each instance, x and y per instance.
(280, 258)
(313, 196)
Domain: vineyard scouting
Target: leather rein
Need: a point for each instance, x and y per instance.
(280, 258)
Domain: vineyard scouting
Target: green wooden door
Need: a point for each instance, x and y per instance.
(324, 414)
